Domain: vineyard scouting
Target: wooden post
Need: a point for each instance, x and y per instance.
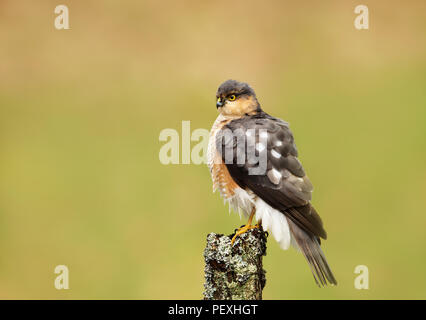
(235, 272)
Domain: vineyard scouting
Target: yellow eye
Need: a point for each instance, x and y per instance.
(232, 97)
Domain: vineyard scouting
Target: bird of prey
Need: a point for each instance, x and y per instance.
(253, 163)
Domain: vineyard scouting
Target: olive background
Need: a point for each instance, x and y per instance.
(81, 111)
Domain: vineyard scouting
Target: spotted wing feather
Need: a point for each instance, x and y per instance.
(284, 184)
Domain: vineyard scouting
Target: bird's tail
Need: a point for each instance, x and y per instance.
(311, 249)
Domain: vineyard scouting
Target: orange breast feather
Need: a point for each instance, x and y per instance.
(222, 180)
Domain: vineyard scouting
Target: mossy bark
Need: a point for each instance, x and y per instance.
(235, 272)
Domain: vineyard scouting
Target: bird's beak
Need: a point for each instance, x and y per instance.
(219, 104)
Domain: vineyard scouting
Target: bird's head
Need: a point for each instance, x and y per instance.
(235, 98)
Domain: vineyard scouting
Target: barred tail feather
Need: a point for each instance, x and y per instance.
(311, 249)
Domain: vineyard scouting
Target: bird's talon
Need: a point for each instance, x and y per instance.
(242, 230)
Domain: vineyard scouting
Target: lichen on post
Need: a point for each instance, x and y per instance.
(235, 272)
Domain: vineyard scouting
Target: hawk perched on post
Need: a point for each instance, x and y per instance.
(253, 162)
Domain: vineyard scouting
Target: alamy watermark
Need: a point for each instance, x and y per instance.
(62, 20)
(362, 281)
(62, 281)
(362, 20)
(241, 147)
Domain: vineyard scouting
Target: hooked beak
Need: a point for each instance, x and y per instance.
(219, 104)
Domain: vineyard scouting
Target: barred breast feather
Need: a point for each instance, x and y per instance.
(238, 199)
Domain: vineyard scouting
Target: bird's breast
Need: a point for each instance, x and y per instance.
(221, 178)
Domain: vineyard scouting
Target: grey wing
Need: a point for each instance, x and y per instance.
(283, 184)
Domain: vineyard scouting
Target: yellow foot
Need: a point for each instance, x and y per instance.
(243, 230)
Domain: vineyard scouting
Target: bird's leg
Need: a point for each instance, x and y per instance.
(247, 227)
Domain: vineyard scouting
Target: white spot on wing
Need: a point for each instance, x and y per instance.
(279, 143)
(274, 176)
(275, 154)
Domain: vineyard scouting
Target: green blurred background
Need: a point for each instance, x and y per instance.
(81, 183)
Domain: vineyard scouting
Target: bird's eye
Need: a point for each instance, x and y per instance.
(232, 97)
